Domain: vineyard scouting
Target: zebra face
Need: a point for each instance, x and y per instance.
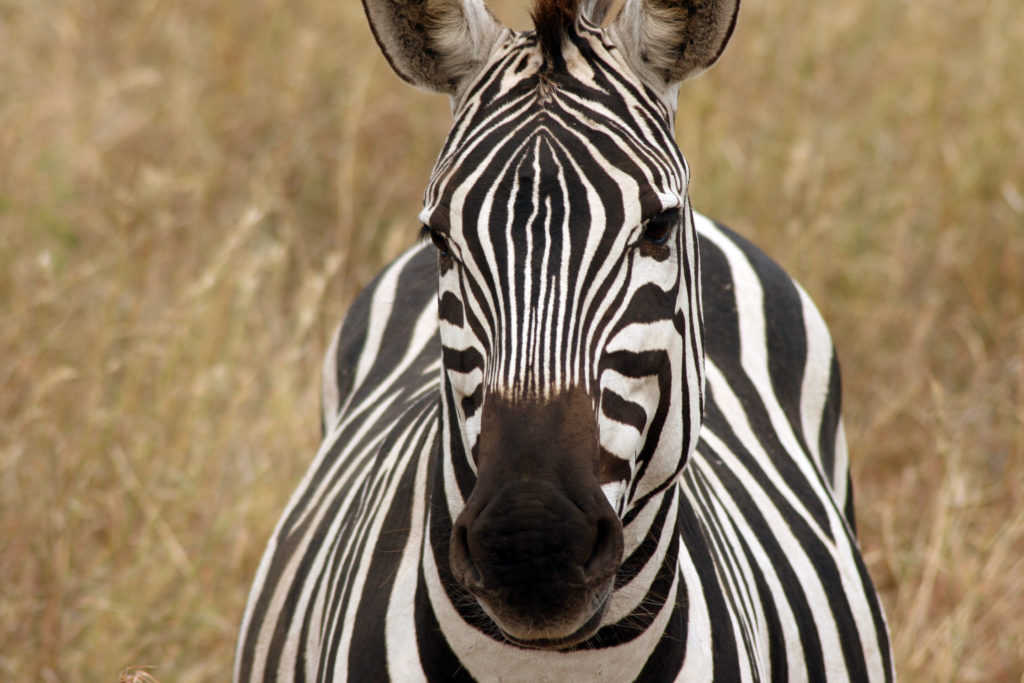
(568, 314)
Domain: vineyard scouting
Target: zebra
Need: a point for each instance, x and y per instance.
(578, 431)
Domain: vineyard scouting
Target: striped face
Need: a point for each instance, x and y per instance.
(572, 349)
(567, 261)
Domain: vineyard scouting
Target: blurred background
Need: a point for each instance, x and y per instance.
(191, 193)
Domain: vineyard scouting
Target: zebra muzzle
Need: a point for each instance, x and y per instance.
(538, 544)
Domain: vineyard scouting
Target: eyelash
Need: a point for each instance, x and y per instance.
(439, 240)
(658, 229)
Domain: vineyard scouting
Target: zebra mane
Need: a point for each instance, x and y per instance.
(553, 20)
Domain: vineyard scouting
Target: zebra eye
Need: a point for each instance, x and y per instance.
(659, 228)
(439, 240)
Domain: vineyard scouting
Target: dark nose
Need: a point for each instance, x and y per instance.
(535, 552)
(538, 543)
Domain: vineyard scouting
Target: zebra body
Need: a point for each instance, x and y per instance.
(366, 502)
(584, 453)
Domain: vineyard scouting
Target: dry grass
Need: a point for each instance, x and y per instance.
(191, 192)
(137, 674)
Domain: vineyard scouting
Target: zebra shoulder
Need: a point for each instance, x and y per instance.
(375, 331)
(753, 309)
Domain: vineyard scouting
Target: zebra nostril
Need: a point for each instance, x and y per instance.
(600, 545)
(607, 551)
(461, 560)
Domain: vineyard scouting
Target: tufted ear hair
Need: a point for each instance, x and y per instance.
(595, 10)
(434, 44)
(668, 41)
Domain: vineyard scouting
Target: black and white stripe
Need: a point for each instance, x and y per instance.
(566, 266)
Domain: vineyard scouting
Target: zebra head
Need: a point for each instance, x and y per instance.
(568, 289)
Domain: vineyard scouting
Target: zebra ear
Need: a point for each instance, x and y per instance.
(434, 44)
(668, 41)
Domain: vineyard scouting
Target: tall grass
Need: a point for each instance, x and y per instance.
(191, 193)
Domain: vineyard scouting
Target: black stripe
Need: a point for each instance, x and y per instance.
(830, 423)
(449, 309)
(621, 410)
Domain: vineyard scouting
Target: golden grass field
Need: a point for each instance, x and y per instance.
(191, 192)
